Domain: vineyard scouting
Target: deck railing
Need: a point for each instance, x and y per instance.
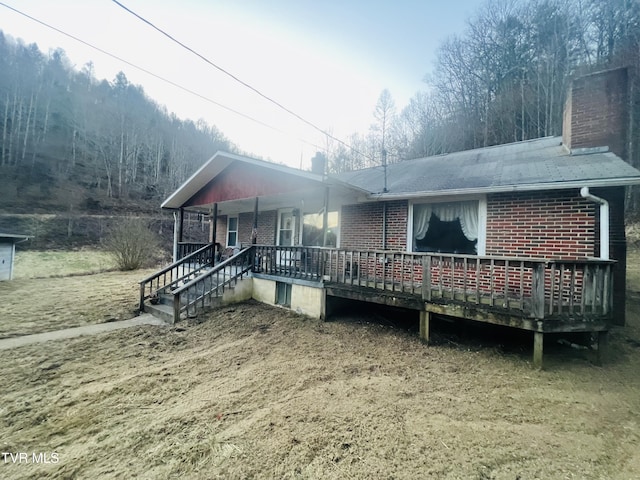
(187, 248)
(529, 287)
(291, 262)
(184, 269)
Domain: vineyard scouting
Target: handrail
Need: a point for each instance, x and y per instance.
(205, 287)
(539, 288)
(204, 258)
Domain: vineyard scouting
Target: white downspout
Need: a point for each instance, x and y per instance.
(604, 221)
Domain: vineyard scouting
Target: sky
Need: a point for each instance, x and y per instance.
(327, 61)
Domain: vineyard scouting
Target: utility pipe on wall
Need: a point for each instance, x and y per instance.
(604, 221)
(384, 225)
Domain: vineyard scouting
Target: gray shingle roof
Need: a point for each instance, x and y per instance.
(535, 164)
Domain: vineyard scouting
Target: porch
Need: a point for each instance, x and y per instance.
(538, 295)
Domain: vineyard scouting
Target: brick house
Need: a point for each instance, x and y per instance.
(528, 235)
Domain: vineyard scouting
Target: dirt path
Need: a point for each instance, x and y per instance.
(14, 342)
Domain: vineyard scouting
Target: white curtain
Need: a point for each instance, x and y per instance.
(466, 212)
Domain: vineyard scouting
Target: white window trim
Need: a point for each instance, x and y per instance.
(293, 233)
(482, 218)
(236, 230)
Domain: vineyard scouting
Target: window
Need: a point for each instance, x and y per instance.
(283, 294)
(312, 234)
(286, 227)
(232, 231)
(449, 227)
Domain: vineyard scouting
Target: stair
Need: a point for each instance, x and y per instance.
(157, 294)
(163, 309)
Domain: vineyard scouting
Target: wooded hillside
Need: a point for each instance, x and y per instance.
(71, 142)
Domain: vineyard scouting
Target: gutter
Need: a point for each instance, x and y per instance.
(604, 220)
(530, 187)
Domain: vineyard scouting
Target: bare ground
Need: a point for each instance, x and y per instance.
(259, 392)
(36, 305)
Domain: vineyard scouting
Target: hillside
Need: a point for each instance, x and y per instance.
(72, 143)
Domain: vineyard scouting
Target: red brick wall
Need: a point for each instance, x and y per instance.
(267, 223)
(221, 230)
(542, 224)
(245, 226)
(361, 226)
(558, 224)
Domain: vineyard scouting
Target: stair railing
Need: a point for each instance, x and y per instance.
(199, 292)
(178, 272)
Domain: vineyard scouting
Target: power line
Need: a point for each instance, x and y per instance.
(170, 82)
(245, 84)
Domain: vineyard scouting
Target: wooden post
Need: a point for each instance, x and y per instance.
(601, 353)
(426, 278)
(538, 344)
(325, 217)
(213, 228)
(180, 225)
(254, 231)
(538, 291)
(176, 308)
(425, 318)
(323, 305)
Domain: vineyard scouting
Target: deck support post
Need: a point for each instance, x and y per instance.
(538, 344)
(323, 305)
(601, 352)
(425, 318)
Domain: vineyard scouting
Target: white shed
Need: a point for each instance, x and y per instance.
(8, 252)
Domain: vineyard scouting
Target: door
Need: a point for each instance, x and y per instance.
(286, 228)
(286, 238)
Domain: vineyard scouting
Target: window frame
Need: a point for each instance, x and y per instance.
(293, 226)
(229, 218)
(481, 246)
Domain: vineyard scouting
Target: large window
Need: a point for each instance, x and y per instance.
(312, 233)
(448, 227)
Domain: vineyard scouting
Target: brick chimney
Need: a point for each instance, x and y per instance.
(595, 113)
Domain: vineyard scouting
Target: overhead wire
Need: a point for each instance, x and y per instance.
(159, 77)
(235, 78)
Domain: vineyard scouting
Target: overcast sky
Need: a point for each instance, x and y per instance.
(325, 60)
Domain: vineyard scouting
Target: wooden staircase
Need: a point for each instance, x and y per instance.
(193, 284)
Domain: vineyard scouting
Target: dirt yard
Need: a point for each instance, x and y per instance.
(259, 392)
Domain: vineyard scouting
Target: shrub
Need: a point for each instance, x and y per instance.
(132, 244)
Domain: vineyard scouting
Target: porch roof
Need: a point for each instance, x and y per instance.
(216, 165)
(15, 237)
(541, 164)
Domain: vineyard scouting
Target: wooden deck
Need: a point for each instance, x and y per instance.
(539, 295)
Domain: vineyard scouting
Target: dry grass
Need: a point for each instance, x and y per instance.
(58, 263)
(258, 392)
(35, 305)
